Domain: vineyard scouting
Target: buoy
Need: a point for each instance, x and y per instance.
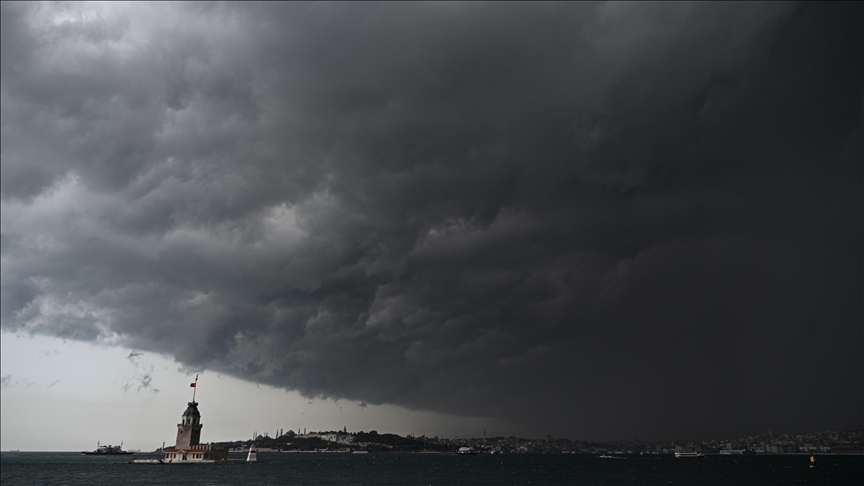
(812, 462)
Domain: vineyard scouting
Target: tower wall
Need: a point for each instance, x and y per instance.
(187, 436)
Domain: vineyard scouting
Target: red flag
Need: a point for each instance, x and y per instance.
(192, 385)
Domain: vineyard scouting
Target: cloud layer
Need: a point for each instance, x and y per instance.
(584, 219)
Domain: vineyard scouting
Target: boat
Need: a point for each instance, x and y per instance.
(607, 456)
(688, 455)
(470, 451)
(109, 450)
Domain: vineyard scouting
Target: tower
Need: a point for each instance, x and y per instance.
(188, 447)
(189, 429)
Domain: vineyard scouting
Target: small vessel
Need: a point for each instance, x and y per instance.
(608, 455)
(469, 451)
(688, 455)
(108, 450)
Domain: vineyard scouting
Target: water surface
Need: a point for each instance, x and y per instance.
(65, 468)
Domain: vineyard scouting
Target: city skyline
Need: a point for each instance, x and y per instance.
(596, 220)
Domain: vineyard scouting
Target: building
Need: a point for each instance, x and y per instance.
(188, 447)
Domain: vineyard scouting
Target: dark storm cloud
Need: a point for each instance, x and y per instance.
(596, 220)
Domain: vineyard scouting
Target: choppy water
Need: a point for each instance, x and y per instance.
(35, 468)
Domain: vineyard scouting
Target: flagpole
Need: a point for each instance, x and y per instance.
(195, 388)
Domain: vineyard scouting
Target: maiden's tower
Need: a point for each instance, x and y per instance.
(188, 447)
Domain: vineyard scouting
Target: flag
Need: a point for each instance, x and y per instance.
(192, 385)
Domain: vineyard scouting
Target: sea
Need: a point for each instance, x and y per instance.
(274, 468)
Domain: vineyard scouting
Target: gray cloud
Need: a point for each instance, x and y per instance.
(571, 218)
(142, 378)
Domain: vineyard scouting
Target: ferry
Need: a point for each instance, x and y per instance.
(685, 455)
(108, 450)
(467, 451)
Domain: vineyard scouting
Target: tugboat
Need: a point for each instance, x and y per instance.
(108, 450)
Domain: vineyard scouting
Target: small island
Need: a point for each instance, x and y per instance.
(188, 448)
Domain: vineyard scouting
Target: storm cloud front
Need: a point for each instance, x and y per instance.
(605, 221)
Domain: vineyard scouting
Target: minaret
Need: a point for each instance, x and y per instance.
(189, 429)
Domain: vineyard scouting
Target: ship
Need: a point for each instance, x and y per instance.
(109, 450)
(683, 455)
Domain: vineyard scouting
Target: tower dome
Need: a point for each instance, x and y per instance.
(191, 416)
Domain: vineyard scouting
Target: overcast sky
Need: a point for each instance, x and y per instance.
(601, 221)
